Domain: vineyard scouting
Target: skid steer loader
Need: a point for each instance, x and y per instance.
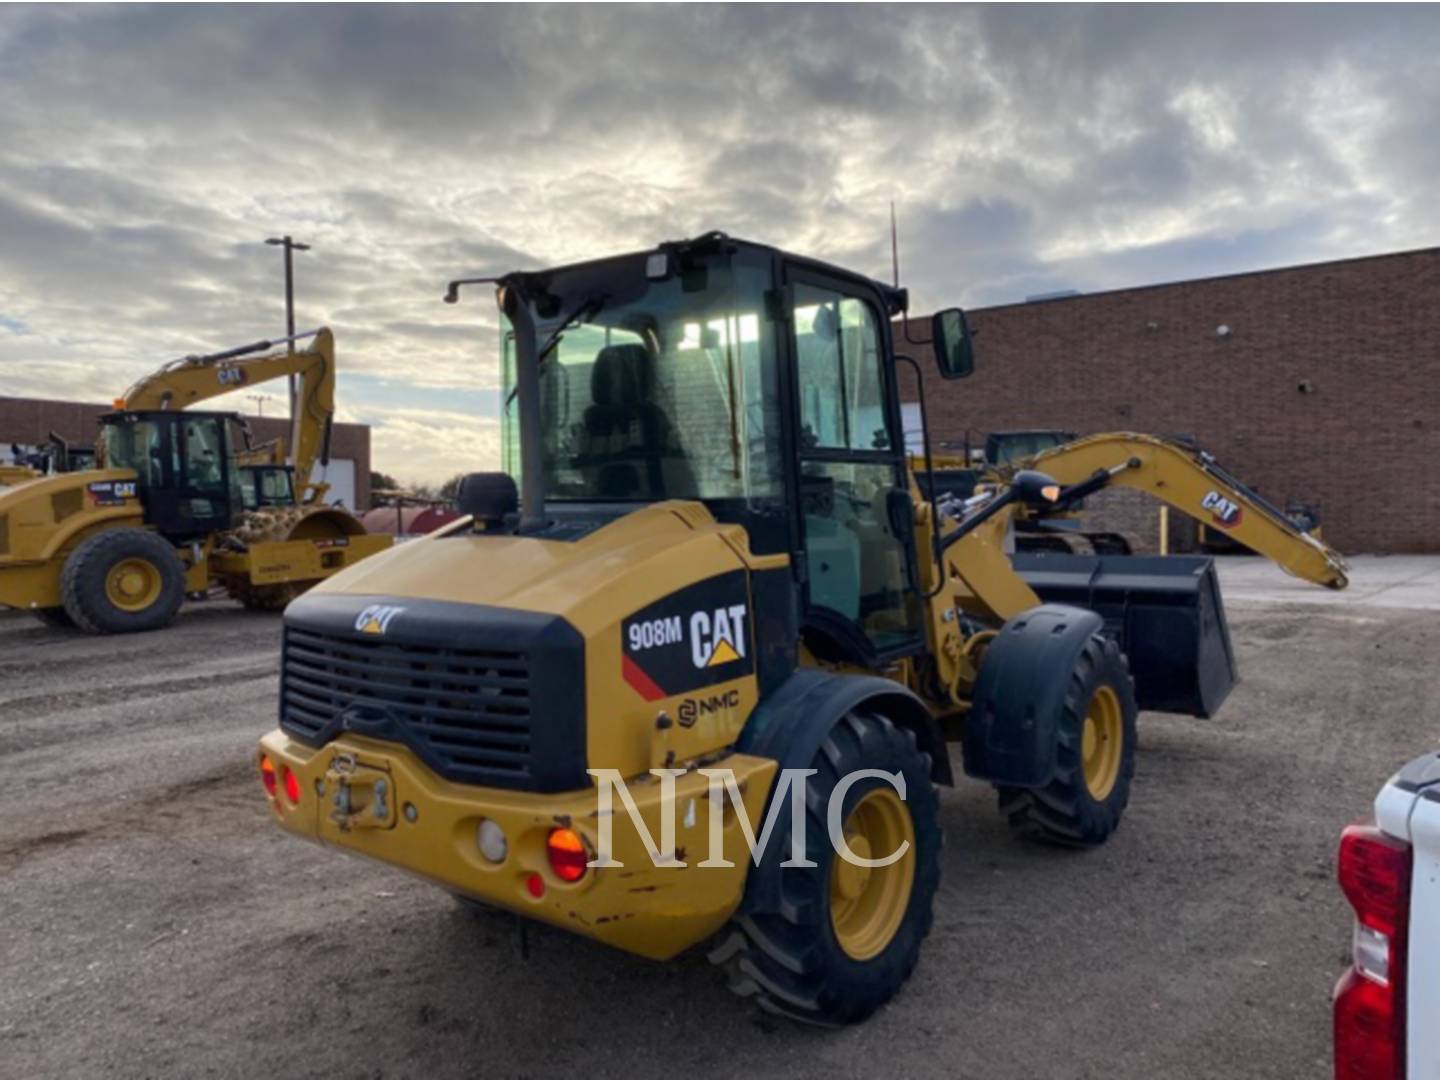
(714, 599)
(116, 549)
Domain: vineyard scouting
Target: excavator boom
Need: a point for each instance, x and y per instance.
(186, 382)
(1192, 482)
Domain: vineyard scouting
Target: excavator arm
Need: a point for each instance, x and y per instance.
(1192, 482)
(194, 379)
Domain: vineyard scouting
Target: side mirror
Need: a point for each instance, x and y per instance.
(1035, 489)
(954, 347)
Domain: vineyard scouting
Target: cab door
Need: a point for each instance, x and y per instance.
(851, 475)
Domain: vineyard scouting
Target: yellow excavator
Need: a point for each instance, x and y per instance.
(687, 673)
(1192, 481)
(117, 548)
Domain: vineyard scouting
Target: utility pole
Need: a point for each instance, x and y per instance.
(290, 247)
(259, 400)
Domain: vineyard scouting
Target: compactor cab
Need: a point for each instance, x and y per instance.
(184, 465)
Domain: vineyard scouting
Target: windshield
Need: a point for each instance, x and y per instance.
(135, 444)
(659, 389)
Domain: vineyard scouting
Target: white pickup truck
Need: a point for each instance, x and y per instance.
(1387, 1005)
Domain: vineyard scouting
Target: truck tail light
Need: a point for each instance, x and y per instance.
(567, 854)
(1374, 872)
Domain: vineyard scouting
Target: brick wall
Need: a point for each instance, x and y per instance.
(1326, 390)
(30, 420)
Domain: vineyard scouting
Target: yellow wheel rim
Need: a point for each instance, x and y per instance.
(867, 904)
(1103, 743)
(133, 584)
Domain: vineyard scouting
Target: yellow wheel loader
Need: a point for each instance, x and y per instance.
(692, 680)
(116, 549)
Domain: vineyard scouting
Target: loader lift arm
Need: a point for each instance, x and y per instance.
(1193, 482)
(182, 383)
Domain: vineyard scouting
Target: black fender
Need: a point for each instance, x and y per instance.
(790, 724)
(1011, 730)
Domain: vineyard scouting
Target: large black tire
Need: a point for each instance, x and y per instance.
(55, 617)
(90, 592)
(787, 955)
(1079, 808)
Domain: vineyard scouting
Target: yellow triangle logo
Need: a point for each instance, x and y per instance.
(372, 627)
(724, 654)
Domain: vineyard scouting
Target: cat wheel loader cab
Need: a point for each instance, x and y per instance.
(706, 617)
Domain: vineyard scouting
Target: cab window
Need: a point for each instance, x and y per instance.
(837, 345)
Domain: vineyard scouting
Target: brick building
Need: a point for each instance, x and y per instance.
(1316, 384)
(29, 422)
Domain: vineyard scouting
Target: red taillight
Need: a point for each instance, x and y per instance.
(292, 786)
(267, 775)
(567, 854)
(535, 886)
(1374, 874)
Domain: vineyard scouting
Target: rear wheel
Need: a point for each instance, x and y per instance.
(123, 581)
(840, 939)
(1095, 759)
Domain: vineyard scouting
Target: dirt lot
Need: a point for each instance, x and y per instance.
(155, 922)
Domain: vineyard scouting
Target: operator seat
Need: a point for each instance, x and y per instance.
(627, 437)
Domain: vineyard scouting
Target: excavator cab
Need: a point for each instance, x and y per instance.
(184, 465)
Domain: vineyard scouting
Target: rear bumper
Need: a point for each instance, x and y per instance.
(428, 826)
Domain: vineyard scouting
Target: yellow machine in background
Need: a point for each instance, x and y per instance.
(117, 548)
(717, 559)
(1193, 482)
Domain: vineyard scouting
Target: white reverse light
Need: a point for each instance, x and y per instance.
(490, 838)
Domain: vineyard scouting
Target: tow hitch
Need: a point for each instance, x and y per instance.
(362, 797)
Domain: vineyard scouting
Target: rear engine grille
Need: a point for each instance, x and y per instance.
(464, 711)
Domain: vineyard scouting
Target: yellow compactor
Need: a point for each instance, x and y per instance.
(117, 548)
(716, 564)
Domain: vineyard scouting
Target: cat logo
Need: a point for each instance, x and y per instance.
(1227, 514)
(717, 637)
(376, 618)
(228, 375)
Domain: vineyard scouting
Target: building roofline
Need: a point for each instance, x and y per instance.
(1213, 277)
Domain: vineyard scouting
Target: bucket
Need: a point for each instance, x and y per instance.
(1164, 610)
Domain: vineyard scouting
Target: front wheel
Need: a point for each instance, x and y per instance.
(837, 940)
(1095, 759)
(122, 581)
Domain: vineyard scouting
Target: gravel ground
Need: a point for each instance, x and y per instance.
(156, 923)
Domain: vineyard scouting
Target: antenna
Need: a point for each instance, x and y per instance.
(894, 246)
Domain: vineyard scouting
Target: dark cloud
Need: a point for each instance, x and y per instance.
(145, 154)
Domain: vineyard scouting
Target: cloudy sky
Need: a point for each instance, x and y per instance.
(145, 154)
